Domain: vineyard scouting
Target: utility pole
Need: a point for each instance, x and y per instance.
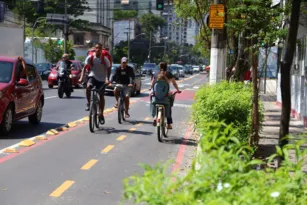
(65, 29)
(149, 55)
(218, 52)
(129, 41)
(112, 40)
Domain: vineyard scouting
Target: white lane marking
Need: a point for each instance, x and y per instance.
(196, 87)
(46, 98)
(175, 105)
(181, 86)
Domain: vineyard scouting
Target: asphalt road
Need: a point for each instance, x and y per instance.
(78, 167)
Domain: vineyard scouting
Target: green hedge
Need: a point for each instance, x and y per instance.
(227, 176)
(228, 102)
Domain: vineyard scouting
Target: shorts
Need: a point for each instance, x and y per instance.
(92, 82)
(126, 89)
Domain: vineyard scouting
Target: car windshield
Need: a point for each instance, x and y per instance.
(114, 66)
(6, 70)
(42, 66)
(149, 66)
(76, 66)
(174, 68)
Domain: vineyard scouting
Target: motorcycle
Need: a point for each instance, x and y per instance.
(64, 81)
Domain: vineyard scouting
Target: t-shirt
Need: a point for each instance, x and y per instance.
(98, 70)
(124, 76)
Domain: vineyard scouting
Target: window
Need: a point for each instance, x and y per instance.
(6, 69)
(78, 39)
(31, 73)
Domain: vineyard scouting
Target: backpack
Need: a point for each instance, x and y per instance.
(92, 54)
(160, 92)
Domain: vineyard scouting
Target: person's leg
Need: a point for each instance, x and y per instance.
(169, 119)
(88, 92)
(101, 95)
(116, 94)
(127, 92)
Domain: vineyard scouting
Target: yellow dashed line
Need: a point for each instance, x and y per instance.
(26, 143)
(41, 137)
(139, 125)
(147, 118)
(89, 164)
(120, 138)
(107, 149)
(61, 189)
(132, 129)
(10, 150)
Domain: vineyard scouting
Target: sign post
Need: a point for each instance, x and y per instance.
(217, 16)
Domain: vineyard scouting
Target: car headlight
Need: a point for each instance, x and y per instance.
(53, 75)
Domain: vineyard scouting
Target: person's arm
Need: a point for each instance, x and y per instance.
(152, 83)
(86, 63)
(175, 84)
(108, 67)
(23, 63)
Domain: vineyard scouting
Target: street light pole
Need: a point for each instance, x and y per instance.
(149, 55)
(32, 40)
(129, 41)
(65, 29)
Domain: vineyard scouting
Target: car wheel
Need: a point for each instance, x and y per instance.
(7, 121)
(50, 86)
(37, 116)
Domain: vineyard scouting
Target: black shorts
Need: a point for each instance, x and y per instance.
(92, 82)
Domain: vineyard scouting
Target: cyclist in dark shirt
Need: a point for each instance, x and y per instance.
(124, 78)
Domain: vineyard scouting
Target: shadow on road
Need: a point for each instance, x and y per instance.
(110, 130)
(188, 142)
(23, 130)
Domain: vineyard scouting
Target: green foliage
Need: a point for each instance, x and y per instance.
(124, 14)
(228, 102)
(120, 51)
(53, 52)
(81, 58)
(151, 23)
(75, 8)
(225, 174)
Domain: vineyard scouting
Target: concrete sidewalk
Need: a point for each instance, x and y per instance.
(270, 130)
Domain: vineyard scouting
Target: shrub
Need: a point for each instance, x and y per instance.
(227, 177)
(228, 102)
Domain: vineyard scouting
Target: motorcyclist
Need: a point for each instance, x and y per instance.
(68, 66)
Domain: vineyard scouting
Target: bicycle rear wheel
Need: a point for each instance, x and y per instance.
(92, 117)
(159, 126)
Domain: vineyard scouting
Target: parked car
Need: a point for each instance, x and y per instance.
(174, 69)
(188, 69)
(137, 87)
(19, 97)
(147, 68)
(196, 69)
(44, 69)
(76, 72)
(181, 71)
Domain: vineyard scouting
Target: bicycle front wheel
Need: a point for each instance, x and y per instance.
(160, 124)
(93, 117)
(119, 111)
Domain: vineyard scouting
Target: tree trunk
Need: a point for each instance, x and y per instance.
(285, 72)
(254, 138)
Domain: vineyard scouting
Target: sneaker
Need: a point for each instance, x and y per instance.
(87, 108)
(101, 119)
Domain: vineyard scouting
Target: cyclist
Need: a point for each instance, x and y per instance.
(167, 76)
(99, 76)
(124, 75)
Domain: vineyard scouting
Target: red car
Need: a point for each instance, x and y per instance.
(19, 97)
(76, 72)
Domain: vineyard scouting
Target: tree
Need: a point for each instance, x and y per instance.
(75, 8)
(150, 24)
(53, 52)
(124, 14)
(285, 72)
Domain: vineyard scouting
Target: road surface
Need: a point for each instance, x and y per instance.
(78, 167)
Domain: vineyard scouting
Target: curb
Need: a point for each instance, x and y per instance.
(16, 148)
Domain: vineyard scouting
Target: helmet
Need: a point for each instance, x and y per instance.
(65, 55)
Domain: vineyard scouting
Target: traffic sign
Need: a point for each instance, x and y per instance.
(57, 19)
(217, 16)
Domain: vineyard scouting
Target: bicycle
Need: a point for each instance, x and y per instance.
(161, 126)
(94, 120)
(121, 104)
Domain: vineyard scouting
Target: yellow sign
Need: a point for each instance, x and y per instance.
(217, 16)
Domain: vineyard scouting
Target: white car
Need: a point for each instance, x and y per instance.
(196, 69)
